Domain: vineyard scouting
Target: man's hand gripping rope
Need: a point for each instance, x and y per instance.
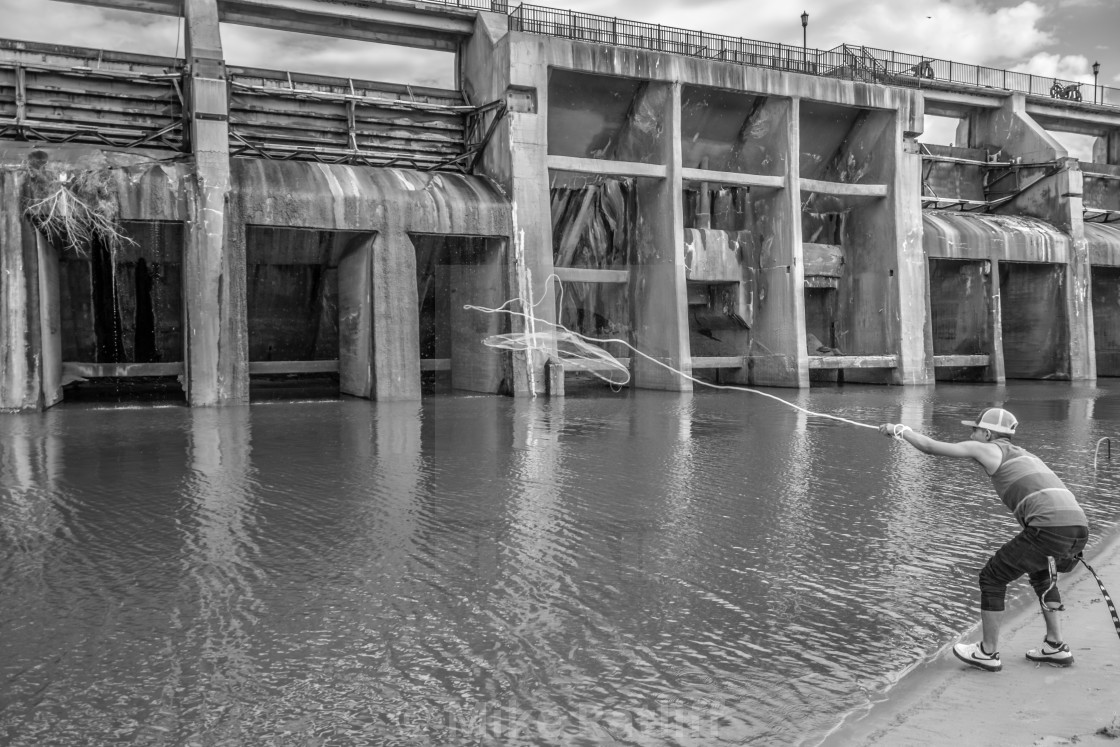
(894, 430)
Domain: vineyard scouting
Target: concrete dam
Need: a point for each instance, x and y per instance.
(743, 212)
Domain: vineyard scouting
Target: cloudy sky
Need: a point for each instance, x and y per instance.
(1046, 37)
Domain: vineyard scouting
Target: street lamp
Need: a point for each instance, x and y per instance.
(805, 39)
(1096, 69)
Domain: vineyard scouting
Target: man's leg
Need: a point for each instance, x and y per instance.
(1045, 583)
(990, 621)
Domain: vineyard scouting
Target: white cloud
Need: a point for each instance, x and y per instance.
(84, 26)
(960, 30)
(345, 58)
(1065, 67)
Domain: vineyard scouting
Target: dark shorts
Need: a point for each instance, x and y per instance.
(1028, 553)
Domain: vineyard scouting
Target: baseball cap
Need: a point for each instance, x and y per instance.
(996, 420)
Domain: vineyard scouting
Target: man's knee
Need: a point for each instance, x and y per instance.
(1046, 589)
(993, 590)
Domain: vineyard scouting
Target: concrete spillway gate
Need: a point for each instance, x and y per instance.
(322, 268)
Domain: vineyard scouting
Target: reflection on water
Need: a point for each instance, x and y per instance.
(643, 568)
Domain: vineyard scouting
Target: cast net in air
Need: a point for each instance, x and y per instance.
(584, 353)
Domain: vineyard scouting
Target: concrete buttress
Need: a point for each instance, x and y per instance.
(20, 348)
(216, 349)
(657, 274)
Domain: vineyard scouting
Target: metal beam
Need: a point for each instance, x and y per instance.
(410, 24)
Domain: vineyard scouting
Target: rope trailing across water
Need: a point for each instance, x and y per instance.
(584, 353)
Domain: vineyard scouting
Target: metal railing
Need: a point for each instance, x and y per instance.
(901, 68)
(498, 6)
(849, 62)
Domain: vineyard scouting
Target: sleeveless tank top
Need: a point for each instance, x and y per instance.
(1036, 496)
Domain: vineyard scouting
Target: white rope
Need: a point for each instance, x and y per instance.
(522, 341)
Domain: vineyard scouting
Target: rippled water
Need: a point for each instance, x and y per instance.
(640, 568)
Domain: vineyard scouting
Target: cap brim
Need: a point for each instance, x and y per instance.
(969, 423)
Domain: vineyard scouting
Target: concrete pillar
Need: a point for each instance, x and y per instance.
(395, 317)
(778, 356)
(517, 159)
(217, 352)
(1011, 130)
(885, 298)
(50, 321)
(996, 370)
(355, 336)
(1106, 149)
(658, 294)
(20, 341)
(915, 345)
(1068, 215)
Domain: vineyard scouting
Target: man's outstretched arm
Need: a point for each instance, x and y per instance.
(987, 454)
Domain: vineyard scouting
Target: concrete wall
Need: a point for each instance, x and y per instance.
(602, 112)
(1048, 186)
(780, 171)
(367, 215)
(389, 204)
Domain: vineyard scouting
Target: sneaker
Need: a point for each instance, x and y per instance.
(973, 655)
(1050, 653)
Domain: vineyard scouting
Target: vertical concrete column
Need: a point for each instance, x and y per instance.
(355, 336)
(50, 321)
(915, 343)
(778, 356)
(997, 370)
(19, 303)
(1068, 215)
(395, 317)
(494, 67)
(658, 294)
(217, 351)
(1106, 149)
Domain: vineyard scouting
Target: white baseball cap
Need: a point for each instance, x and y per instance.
(996, 420)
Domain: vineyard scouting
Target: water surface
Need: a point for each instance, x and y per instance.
(635, 568)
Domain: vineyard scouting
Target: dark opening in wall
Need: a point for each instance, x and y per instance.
(291, 285)
(1035, 331)
(593, 228)
(1106, 319)
(960, 313)
(452, 273)
(120, 310)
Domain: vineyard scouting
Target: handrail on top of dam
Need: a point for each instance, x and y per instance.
(847, 61)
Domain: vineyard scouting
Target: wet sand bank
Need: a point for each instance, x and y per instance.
(944, 702)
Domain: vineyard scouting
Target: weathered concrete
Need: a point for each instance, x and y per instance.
(517, 160)
(377, 279)
(20, 340)
(733, 179)
(777, 355)
(213, 288)
(657, 278)
(1046, 184)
